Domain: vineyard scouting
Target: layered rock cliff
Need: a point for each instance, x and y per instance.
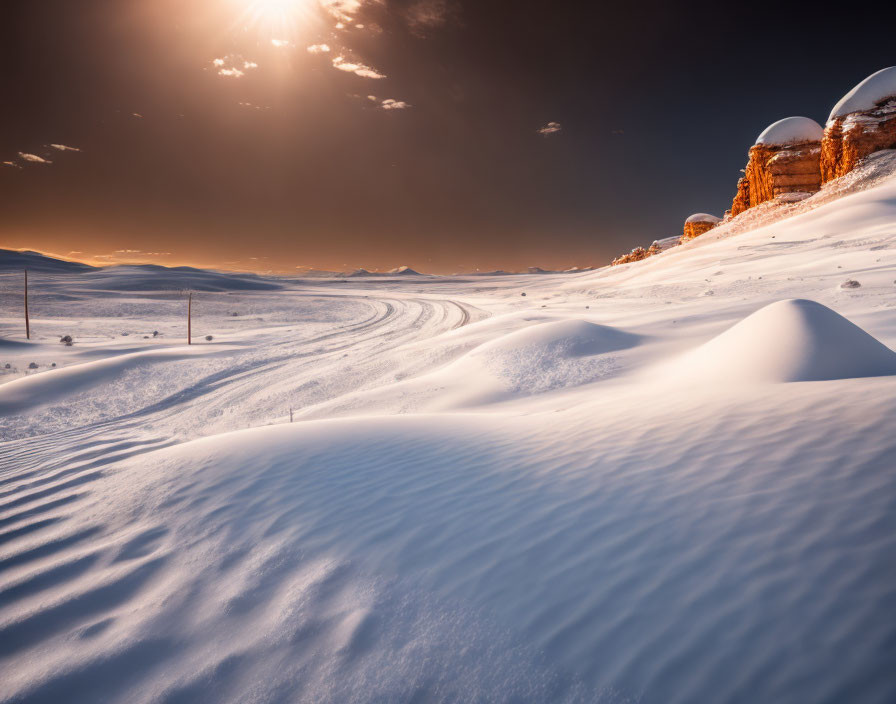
(785, 159)
(863, 122)
(793, 157)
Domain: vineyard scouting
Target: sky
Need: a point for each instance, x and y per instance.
(447, 135)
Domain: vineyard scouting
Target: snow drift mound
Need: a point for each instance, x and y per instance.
(54, 385)
(791, 340)
(542, 358)
(563, 338)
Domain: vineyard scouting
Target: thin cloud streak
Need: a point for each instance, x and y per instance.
(34, 158)
(391, 104)
(358, 69)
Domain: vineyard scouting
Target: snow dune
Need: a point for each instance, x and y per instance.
(542, 356)
(24, 393)
(793, 340)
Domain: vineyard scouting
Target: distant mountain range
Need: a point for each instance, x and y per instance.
(11, 260)
(155, 276)
(136, 277)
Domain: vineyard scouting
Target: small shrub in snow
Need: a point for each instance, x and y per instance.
(8, 366)
(33, 365)
(850, 283)
(155, 333)
(209, 338)
(53, 364)
(66, 340)
(522, 294)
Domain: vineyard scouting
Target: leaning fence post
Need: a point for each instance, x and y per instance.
(190, 319)
(27, 319)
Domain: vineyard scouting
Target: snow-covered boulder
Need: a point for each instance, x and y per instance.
(861, 123)
(698, 223)
(784, 160)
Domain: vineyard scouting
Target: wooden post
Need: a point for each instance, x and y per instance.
(190, 319)
(290, 414)
(27, 319)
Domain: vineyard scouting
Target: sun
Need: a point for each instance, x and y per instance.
(275, 9)
(278, 17)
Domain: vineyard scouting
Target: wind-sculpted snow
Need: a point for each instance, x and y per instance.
(55, 384)
(605, 490)
(473, 558)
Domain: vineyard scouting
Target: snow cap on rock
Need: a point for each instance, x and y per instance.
(791, 130)
(703, 217)
(873, 90)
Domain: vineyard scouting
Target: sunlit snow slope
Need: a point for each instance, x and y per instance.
(671, 481)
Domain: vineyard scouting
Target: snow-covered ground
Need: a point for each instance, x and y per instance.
(669, 481)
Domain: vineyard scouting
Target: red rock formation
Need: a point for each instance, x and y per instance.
(863, 122)
(697, 224)
(742, 197)
(636, 255)
(785, 159)
(848, 140)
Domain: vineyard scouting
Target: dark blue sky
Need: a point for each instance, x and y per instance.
(290, 163)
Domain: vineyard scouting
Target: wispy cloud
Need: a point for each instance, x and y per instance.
(33, 158)
(280, 43)
(550, 128)
(342, 10)
(12, 164)
(233, 66)
(356, 68)
(391, 104)
(64, 148)
(318, 49)
(253, 106)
